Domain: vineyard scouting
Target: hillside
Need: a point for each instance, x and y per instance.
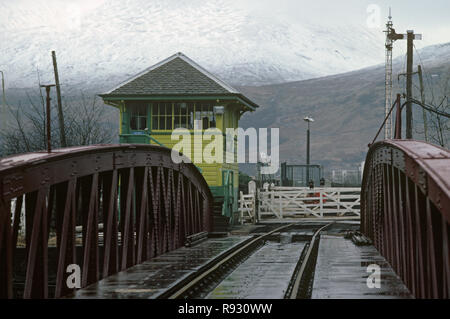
(348, 110)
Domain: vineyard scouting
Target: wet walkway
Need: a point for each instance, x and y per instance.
(341, 272)
(265, 274)
(149, 279)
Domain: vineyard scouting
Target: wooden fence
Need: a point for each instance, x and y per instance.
(292, 202)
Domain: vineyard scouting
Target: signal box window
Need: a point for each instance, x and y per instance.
(182, 115)
(162, 116)
(205, 113)
(138, 119)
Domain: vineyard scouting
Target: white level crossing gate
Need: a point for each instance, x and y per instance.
(301, 202)
(247, 208)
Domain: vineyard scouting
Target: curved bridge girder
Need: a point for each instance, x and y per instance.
(133, 194)
(405, 210)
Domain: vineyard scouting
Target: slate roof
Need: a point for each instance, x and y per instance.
(175, 76)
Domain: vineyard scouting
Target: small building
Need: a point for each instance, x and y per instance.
(297, 176)
(178, 93)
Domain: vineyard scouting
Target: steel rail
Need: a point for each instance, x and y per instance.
(182, 289)
(304, 263)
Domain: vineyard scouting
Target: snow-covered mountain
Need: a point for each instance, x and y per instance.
(115, 39)
(119, 38)
(433, 55)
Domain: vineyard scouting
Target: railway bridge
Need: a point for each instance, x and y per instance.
(121, 211)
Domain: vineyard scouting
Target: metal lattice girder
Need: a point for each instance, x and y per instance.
(409, 224)
(108, 207)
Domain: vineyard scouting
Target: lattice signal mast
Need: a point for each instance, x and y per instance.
(388, 77)
(391, 36)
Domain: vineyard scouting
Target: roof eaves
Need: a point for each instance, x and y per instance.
(246, 101)
(227, 87)
(242, 98)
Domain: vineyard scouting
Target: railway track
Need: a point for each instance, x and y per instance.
(301, 282)
(205, 279)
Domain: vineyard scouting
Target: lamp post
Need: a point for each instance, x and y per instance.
(3, 110)
(307, 119)
(49, 133)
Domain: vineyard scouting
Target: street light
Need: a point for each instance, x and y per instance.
(3, 110)
(49, 134)
(307, 119)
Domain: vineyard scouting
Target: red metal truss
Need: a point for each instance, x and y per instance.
(107, 207)
(405, 210)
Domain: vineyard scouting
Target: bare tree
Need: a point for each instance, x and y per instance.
(85, 124)
(440, 126)
(27, 131)
(437, 96)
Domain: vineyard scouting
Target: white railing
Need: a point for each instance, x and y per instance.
(289, 202)
(247, 208)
